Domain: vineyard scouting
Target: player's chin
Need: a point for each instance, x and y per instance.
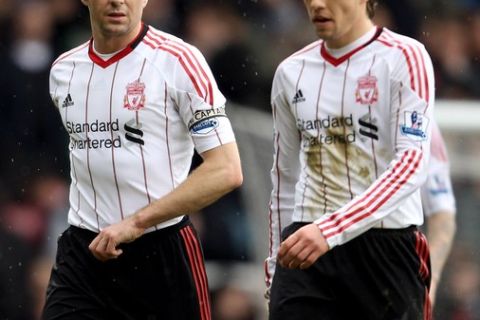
(115, 29)
(324, 34)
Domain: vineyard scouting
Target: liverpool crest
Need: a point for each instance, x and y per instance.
(135, 98)
(367, 90)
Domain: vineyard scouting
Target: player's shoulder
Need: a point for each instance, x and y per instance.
(71, 55)
(399, 42)
(170, 44)
(310, 51)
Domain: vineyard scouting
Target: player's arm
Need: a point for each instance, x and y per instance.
(219, 174)
(403, 176)
(439, 207)
(441, 231)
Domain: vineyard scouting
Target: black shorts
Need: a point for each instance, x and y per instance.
(382, 274)
(161, 275)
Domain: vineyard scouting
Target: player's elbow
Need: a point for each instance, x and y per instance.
(224, 165)
(453, 225)
(233, 176)
(421, 168)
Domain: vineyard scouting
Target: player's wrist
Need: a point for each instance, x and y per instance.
(325, 245)
(139, 221)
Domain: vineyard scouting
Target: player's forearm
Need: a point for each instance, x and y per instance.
(391, 189)
(440, 234)
(219, 174)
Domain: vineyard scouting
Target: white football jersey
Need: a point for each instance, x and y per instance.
(134, 121)
(351, 137)
(437, 192)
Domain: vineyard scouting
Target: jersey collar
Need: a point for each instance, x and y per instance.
(119, 55)
(335, 61)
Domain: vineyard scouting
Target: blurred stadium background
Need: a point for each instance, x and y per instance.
(243, 41)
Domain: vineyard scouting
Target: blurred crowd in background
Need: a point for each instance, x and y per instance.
(243, 41)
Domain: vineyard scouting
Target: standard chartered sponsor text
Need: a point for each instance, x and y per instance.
(325, 123)
(113, 141)
(337, 130)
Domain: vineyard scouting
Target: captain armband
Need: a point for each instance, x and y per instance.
(204, 121)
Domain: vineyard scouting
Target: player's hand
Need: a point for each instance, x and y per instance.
(302, 248)
(105, 244)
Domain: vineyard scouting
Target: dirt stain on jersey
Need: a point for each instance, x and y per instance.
(327, 161)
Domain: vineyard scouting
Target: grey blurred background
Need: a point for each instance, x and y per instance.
(243, 41)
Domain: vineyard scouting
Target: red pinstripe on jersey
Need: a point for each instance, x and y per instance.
(74, 171)
(379, 193)
(415, 61)
(142, 153)
(397, 117)
(277, 200)
(115, 178)
(347, 166)
(198, 271)
(277, 195)
(188, 60)
(317, 112)
(167, 137)
(374, 155)
(88, 149)
(278, 183)
(295, 105)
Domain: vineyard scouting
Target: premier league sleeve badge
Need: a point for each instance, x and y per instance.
(414, 126)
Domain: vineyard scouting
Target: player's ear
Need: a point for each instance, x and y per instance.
(85, 2)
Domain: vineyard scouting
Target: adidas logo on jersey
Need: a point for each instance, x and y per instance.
(68, 101)
(298, 97)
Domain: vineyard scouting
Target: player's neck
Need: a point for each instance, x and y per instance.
(355, 32)
(107, 43)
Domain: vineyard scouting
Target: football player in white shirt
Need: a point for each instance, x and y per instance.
(352, 116)
(439, 208)
(136, 102)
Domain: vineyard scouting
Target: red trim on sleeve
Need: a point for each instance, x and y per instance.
(382, 192)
